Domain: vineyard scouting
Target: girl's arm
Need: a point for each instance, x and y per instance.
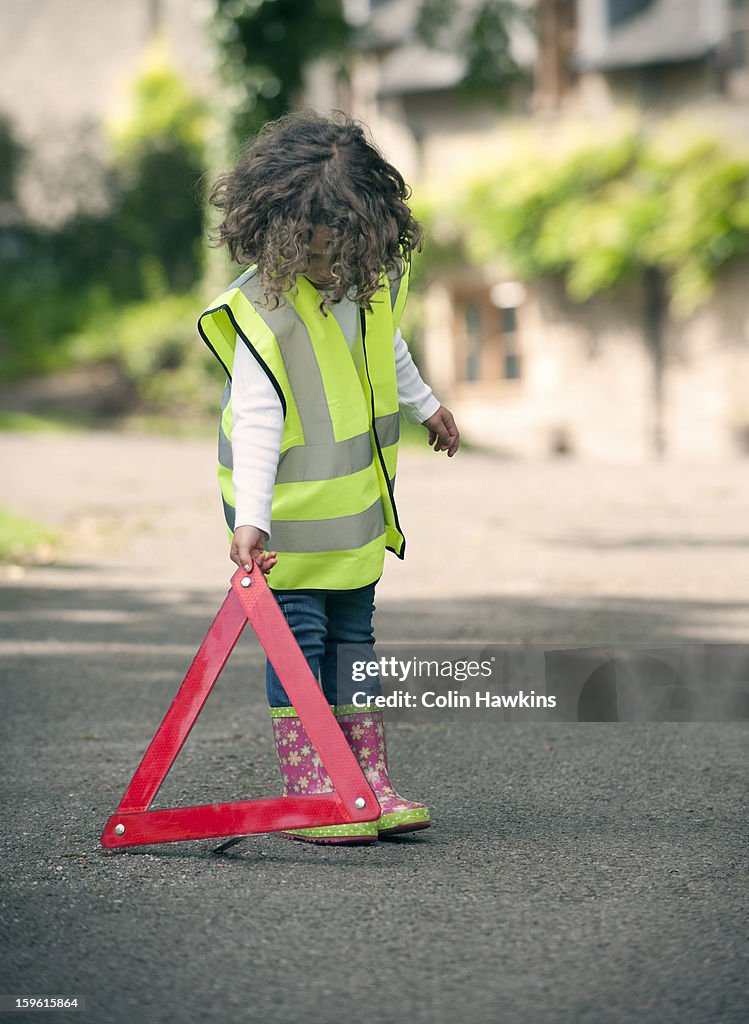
(415, 397)
(419, 404)
(257, 428)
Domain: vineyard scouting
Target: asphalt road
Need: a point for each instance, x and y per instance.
(576, 873)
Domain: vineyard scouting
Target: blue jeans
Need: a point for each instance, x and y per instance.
(321, 620)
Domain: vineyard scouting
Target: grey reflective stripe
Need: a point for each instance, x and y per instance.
(225, 456)
(325, 462)
(395, 286)
(298, 355)
(243, 278)
(230, 514)
(343, 533)
(388, 428)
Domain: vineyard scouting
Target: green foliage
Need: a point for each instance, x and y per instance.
(37, 304)
(444, 237)
(11, 156)
(58, 282)
(162, 112)
(489, 56)
(32, 423)
(482, 35)
(434, 20)
(597, 215)
(264, 46)
(156, 347)
(159, 147)
(26, 542)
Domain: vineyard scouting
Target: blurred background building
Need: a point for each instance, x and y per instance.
(581, 167)
(526, 369)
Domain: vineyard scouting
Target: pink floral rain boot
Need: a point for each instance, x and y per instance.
(302, 772)
(365, 733)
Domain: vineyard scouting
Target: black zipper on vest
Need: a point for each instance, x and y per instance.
(363, 321)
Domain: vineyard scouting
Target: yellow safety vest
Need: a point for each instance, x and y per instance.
(333, 512)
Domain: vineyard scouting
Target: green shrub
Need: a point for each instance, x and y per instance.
(61, 281)
(674, 198)
(157, 348)
(26, 542)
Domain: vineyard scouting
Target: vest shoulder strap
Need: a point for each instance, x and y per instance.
(399, 292)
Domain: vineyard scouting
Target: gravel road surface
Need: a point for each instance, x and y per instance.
(577, 872)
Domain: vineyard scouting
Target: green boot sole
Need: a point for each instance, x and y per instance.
(355, 834)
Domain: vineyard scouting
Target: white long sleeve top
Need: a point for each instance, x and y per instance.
(257, 419)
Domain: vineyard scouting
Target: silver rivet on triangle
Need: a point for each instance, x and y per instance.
(247, 582)
(119, 830)
(360, 802)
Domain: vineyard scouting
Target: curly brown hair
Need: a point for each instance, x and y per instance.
(305, 171)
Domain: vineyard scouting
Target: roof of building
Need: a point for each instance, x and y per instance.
(408, 65)
(414, 68)
(659, 32)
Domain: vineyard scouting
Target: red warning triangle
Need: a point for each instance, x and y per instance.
(249, 600)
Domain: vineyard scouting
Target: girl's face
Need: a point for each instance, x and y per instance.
(319, 256)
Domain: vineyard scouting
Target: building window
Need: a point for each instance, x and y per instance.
(620, 11)
(509, 330)
(473, 329)
(737, 61)
(739, 48)
(487, 334)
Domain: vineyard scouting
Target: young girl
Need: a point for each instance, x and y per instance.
(317, 375)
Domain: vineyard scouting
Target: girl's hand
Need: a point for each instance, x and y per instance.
(248, 547)
(443, 433)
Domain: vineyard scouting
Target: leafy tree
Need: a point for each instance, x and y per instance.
(146, 242)
(264, 46)
(11, 155)
(481, 33)
(676, 200)
(159, 150)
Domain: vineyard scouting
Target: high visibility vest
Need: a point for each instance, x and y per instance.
(333, 512)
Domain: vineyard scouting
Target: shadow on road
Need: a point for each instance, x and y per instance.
(555, 845)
